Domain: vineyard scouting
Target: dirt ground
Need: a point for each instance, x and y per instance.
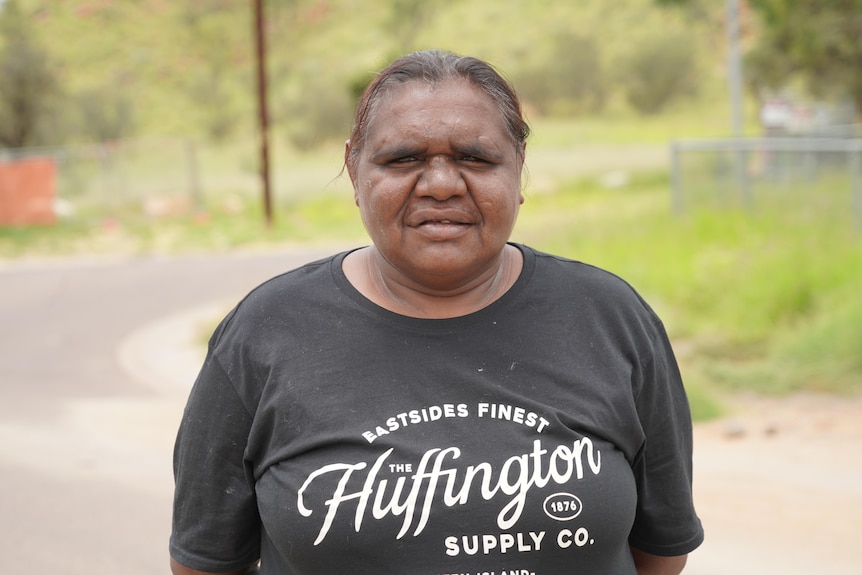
(778, 485)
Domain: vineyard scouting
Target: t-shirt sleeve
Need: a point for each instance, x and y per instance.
(665, 523)
(216, 526)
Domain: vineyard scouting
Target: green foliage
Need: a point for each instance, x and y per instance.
(29, 86)
(216, 85)
(318, 110)
(106, 114)
(154, 68)
(817, 41)
(764, 301)
(571, 79)
(406, 19)
(663, 70)
(703, 401)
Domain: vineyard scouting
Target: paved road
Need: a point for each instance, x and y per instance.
(85, 429)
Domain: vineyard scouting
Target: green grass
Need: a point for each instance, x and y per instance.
(328, 218)
(766, 300)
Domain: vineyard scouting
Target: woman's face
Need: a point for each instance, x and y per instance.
(438, 182)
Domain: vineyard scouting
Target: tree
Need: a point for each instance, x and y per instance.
(318, 112)
(29, 87)
(107, 114)
(571, 79)
(661, 71)
(222, 70)
(816, 41)
(407, 19)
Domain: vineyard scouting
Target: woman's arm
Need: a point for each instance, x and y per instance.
(180, 569)
(648, 564)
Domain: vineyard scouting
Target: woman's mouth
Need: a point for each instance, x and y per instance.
(442, 229)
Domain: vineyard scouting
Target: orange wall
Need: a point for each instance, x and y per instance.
(27, 191)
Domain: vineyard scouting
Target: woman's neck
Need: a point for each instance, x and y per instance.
(370, 273)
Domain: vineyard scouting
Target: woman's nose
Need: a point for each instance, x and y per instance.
(441, 179)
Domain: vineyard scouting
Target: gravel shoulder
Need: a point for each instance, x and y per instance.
(778, 485)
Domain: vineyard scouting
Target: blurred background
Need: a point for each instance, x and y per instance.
(140, 124)
(709, 152)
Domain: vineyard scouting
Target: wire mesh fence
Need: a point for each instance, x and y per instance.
(114, 179)
(810, 175)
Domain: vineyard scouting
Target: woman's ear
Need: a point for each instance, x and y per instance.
(347, 163)
(522, 156)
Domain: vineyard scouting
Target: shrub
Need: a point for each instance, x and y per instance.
(570, 80)
(29, 85)
(662, 70)
(318, 112)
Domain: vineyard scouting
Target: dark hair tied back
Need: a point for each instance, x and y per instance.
(435, 67)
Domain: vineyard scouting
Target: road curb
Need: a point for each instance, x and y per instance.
(166, 354)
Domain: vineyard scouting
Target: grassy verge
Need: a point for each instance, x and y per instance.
(235, 223)
(765, 300)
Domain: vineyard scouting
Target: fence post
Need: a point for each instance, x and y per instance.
(675, 179)
(855, 151)
(194, 180)
(740, 172)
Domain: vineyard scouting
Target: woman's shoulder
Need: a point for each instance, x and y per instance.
(593, 296)
(587, 285)
(292, 292)
(293, 284)
(573, 273)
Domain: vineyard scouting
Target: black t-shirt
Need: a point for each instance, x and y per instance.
(540, 435)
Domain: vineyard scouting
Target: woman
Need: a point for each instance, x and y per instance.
(441, 401)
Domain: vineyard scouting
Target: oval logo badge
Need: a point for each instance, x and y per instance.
(562, 506)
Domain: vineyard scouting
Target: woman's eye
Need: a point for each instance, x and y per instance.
(472, 160)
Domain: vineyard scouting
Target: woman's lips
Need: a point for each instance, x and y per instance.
(439, 216)
(440, 223)
(442, 229)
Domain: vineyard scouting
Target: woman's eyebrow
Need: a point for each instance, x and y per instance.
(404, 150)
(394, 151)
(479, 151)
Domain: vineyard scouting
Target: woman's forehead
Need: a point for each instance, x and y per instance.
(454, 107)
(421, 93)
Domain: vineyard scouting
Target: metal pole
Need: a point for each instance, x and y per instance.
(734, 79)
(262, 108)
(734, 68)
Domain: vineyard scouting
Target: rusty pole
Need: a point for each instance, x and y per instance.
(262, 109)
